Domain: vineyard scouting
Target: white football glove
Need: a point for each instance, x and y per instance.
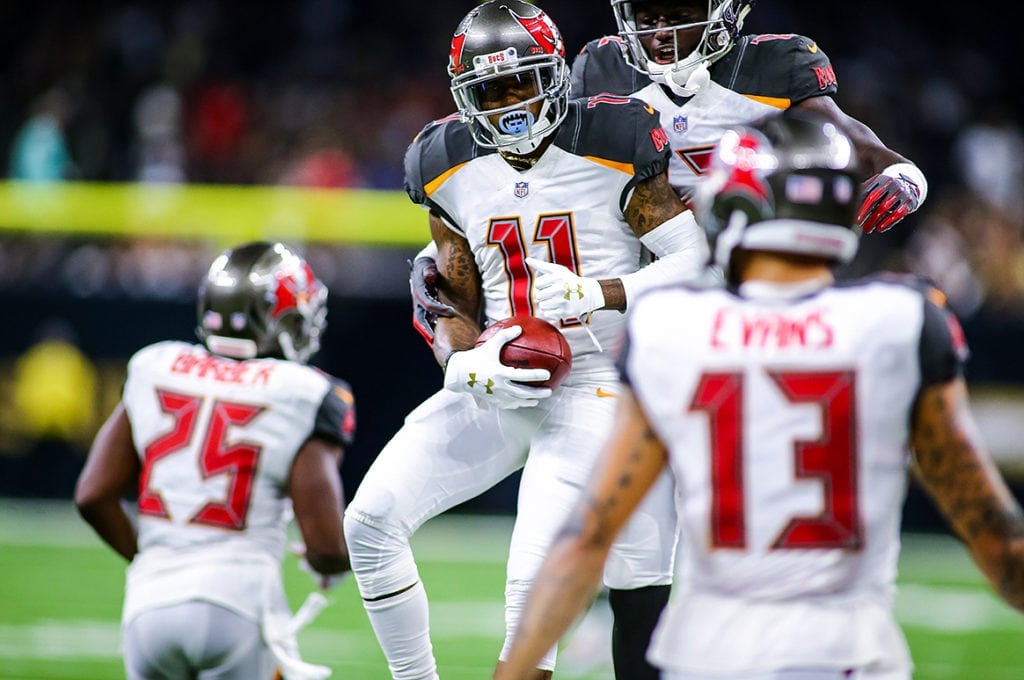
(479, 372)
(560, 294)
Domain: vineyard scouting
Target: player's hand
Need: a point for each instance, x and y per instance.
(560, 294)
(479, 372)
(324, 582)
(426, 307)
(887, 200)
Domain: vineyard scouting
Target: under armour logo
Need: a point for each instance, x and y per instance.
(473, 382)
(569, 292)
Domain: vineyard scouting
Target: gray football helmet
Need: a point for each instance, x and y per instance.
(261, 299)
(787, 183)
(509, 39)
(720, 31)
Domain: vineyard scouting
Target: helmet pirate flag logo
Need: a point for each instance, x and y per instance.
(455, 65)
(543, 32)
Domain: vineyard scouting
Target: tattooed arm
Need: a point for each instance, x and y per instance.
(631, 461)
(666, 228)
(952, 465)
(459, 286)
(663, 225)
(653, 203)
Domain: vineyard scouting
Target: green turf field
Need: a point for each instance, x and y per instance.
(60, 596)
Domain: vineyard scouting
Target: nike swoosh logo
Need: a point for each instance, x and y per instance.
(604, 393)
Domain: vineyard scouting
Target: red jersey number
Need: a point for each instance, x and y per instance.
(238, 461)
(831, 459)
(556, 231)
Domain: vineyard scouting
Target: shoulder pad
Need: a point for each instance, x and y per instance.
(144, 356)
(599, 126)
(922, 284)
(336, 418)
(778, 65)
(601, 67)
(441, 145)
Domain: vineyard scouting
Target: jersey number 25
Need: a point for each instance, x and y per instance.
(215, 457)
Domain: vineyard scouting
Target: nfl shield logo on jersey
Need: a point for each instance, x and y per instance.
(522, 188)
(680, 123)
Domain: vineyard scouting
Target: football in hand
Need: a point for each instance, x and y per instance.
(540, 345)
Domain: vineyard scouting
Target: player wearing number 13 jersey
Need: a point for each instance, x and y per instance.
(790, 410)
(223, 442)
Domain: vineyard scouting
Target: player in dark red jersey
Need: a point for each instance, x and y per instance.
(223, 442)
(791, 411)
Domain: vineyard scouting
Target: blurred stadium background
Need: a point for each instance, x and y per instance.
(140, 138)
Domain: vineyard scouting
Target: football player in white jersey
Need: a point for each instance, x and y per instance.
(223, 443)
(789, 409)
(539, 206)
(689, 60)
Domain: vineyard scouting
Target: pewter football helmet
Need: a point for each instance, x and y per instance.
(509, 39)
(262, 300)
(785, 184)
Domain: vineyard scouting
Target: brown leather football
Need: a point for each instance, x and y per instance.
(540, 345)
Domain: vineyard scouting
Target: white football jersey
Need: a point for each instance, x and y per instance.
(216, 439)
(579, 218)
(760, 74)
(786, 413)
(567, 209)
(696, 126)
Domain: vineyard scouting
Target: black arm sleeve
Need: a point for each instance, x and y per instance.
(943, 349)
(336, 418)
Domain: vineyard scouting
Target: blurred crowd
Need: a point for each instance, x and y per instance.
(328, 93)
(213, 91)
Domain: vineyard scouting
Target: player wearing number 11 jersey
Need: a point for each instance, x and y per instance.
(222, 442)
(538, 206)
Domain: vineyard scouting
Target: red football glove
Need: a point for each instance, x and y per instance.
(887, 200)
(426, 307)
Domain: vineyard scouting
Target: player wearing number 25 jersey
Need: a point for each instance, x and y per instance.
(788, 409)
(221, 442)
